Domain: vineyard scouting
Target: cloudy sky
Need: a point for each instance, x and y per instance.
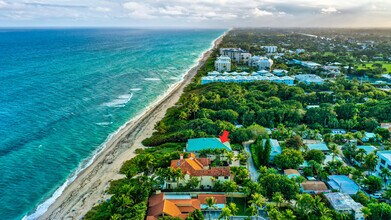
(197, 13)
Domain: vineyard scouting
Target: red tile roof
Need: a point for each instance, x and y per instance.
(220, 199)
(157, 206)
(197, 167)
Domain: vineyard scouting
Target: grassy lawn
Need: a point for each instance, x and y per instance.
(240, 203)
(385, 65)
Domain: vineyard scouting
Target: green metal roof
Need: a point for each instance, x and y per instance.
(198, 144)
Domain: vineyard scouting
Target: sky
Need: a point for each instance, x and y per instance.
(195, 13)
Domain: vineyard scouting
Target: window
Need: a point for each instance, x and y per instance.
(389, 167)
(382, 161)
(226, 177)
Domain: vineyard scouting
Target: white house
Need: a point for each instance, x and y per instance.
(261, 62)
(199, 168)
(384, 162)
(270, 49)
(223, 63)
(344, 203)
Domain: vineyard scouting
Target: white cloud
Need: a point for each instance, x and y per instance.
(260, 13)
(3, 4)
(102, 9)
(329, 10)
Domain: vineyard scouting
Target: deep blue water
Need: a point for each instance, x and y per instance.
(63, 92)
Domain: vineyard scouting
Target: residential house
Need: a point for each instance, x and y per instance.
(319, 146)
(275, 148)
(279, 72)
(384, 163)
(310, 64)
(313, 187)
(386, 126)
(180, 205)
(223, 63)
(369, 136)
(199, 144)
(343, 184)
(338, 131)
(344, 203)
(309, 78)
(291, 173)
(201, 169)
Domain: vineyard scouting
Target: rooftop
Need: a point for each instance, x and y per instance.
(341, 201)
(318, 146)
(198, 144)
(368, 148)
(314, 186)
(199, 167)
(385, 154)
(343, 184)
(291, 171)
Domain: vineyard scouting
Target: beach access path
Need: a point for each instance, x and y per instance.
(90, 186)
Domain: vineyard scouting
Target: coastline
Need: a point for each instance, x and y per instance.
(87, 187)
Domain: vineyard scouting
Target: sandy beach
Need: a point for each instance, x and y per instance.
(90, 185)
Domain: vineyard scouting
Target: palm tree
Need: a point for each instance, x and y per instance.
(278, 198)
(234, 209)
(385, 174)
(258, 200)
(288, 214)
(334, 150)
(253, 210)
(371, 161)
(360, 155)
(225, 213)
(211, 203)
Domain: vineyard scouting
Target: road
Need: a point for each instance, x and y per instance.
(254, 175)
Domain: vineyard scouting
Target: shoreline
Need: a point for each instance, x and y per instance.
(87, 187)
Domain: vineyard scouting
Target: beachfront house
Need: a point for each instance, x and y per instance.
(384, 163)
(199, 168)
(199, 144)
(343, 203)
(179, 205)
(223, 63)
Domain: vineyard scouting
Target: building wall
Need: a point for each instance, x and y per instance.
(206, 181)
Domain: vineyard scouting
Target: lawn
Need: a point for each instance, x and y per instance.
(385, 65)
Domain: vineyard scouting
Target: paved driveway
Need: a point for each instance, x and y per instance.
(254, 175)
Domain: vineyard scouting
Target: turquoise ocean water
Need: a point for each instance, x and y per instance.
(64, 91)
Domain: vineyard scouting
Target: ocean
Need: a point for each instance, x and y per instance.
(64, 91)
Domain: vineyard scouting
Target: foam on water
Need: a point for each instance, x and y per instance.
(120, 101)
(69, 110)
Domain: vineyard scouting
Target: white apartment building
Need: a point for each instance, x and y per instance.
(261, 62)
(384, 162)
(223, 63)
(236, 54)
(270, 49)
